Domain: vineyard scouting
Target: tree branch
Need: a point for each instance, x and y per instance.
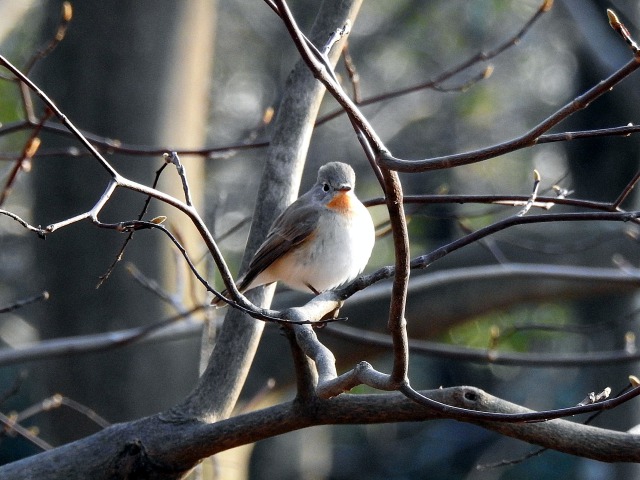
(528, 139)
(153, 448)
(219, 386)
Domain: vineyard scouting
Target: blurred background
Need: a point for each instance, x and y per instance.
(189, 75)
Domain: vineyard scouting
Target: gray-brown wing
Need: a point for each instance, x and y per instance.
(291, 228)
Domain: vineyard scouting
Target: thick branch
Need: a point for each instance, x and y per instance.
(152, 448)
(217, 391)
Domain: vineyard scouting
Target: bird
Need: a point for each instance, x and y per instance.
(321, 241)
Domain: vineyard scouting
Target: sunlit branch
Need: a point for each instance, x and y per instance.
(392, 187)
(528, 139)
(541, 416)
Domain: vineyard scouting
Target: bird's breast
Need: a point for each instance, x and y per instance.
(341, 202)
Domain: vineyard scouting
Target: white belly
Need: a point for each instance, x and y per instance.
(343, 246)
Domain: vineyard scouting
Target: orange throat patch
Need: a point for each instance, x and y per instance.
(341, 202)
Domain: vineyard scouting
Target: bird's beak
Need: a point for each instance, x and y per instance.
(344, 188)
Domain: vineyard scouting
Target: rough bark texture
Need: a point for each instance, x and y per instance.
(219, 387)
(153, 448)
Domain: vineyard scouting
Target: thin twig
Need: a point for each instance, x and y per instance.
(335, 37)
(66, 14)
(436, 83)
(423, 261)
(174, 159)
(352, 72)
(65, 121)
(534, 194)
(109, 145)
(151, 285)
(23, 162)
(41, 232)
(11, 426)
(105, 276)
(626, 191)
(526, 140)
(542, 202)
(515, 461)
(44, 296)
(621, 30)
(56, 401)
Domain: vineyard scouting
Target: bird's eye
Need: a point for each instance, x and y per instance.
(325, 187)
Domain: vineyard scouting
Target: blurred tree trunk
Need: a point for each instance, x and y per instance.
(131, 71)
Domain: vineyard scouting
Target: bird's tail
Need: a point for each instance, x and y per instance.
(218, 302)
(241, 284)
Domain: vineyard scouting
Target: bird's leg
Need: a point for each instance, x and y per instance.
(312, 288)
(332, 314)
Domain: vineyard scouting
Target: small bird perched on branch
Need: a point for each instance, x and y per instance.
(321, 241)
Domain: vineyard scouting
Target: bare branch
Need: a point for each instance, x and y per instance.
(542, 202)
(172, 327)
(57, 401)
(354, 77)
(38, 230)
(12, 426)
(105, 276)
(23, 163)
(528, 139)
(528, 417)
(44, 296)
(626, 191)
(534, 194)
(173, 158)
(393, 191)
(181, 445)
(23, 78)
(66, 14)
(119, 181)
(110, 145)
(620, 28)
(397, 323)
(436, 83)
(425, 260)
